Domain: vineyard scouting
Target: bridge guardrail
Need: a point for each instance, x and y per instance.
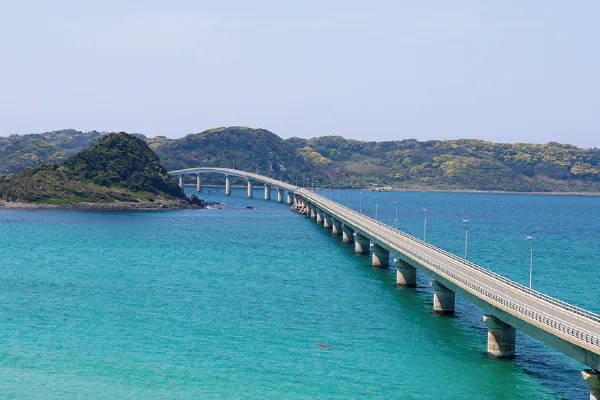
(562, 326)
(577, 310)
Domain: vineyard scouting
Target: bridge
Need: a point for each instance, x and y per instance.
(508, 304)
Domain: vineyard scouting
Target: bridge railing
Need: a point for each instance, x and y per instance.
(537, 315)
(549, 299)
(577, 310)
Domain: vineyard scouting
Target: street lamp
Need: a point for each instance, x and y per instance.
(376, 207)
(466, 238)
(360, 207)
(530, 261)
(425, 225)
(396, 220)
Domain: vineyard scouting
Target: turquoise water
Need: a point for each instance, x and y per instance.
(231, 303)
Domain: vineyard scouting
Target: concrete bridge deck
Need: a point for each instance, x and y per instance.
(567, 328)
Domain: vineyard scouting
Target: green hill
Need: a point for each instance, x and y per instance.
(460, 164)
(253, 150)
(117, 167)
(336, 161)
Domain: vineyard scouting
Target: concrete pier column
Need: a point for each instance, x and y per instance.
(289, 198)
(443, 299)
(592, 378)
(319, 216)
(313, 211)
(347, 234)
(199, 183)
(267, 192)
(380, 257)
(250, 189)
(406, 274)
(279, 195)
(361, 244)
(181, 181)
(336, 227)
(501, 337)
(326, 220)
(227, 185)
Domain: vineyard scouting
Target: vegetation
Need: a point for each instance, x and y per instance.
(460, 164)
(118, 167)
(253, 150)
(336, 161)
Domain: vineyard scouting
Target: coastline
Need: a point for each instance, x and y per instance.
(422, 190)
(433, 190)
(163, 205)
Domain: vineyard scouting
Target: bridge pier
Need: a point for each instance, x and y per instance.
(227, 185)
(380, 257)
(250, 189)
(443, 299)
(267, 192)
(347, 234)
(592, 378)
(326, 221)
(406, 274)
(319, 216)
(313, 211)
(501, 337)
(361, 244)
(279, 195)
(199, 183)
(336, 227)
(181, 181)
(290, 198)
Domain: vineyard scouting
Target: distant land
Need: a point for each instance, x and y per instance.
(334, 161)
(119, 171)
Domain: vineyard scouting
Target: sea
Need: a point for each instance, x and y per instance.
(239, 303)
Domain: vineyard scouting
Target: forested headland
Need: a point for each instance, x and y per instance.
(465, 164)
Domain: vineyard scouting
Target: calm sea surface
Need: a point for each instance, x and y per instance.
(231, 303)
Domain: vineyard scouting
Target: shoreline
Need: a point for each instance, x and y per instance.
(474, 191)
(167, 205)
(432, 190)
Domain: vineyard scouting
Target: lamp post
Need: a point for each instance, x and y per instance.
(466, 238)
(396, 220)
(425, 225)
(376, 207)
(360, 207)
(530, 261)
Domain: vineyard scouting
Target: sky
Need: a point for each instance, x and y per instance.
(504, 71)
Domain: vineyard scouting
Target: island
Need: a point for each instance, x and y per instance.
(118, 172)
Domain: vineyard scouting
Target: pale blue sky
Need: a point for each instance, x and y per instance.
(511, 70)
